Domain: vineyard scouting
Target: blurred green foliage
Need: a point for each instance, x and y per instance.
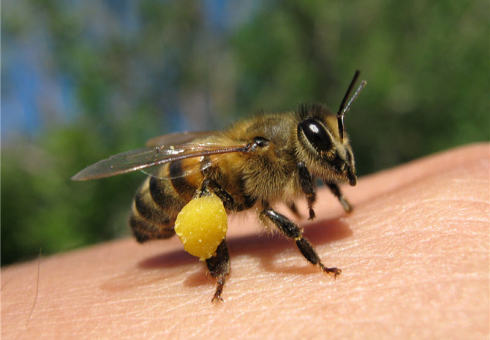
(152, 67)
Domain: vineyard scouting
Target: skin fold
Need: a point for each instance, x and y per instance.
(414, 256)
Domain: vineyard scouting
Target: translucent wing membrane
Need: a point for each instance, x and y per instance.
(186, 169)
(152, 157)
(177, 138)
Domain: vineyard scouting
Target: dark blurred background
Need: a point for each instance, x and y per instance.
(84, 79)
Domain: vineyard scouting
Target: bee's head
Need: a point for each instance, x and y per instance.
(326, 153)
(323, 144)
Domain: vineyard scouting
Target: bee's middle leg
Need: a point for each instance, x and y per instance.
(292, 231)
(294, 209)
(219, 267)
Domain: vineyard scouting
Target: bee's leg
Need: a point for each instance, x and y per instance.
(229, 203)
(209, 185)
(292, 231)
(294, 209)
(308, 186)
(334, 188)
(219, 264)
(219, 267)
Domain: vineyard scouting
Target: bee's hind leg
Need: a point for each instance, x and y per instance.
(292, 231)
(219, 267)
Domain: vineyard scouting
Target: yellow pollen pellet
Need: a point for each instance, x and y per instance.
(201, 225)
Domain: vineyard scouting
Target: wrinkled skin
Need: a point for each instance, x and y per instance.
(414, 254)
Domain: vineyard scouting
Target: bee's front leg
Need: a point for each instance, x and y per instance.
(308, 186)
(334, 188)
(219, 267)
(292, 231)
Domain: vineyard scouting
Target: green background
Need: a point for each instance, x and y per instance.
(135, 70)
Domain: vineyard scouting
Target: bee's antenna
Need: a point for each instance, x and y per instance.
(345, 107)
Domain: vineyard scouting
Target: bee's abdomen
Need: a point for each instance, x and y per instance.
(159, 200)
(185, 182)
(144, 230)
(154, 210)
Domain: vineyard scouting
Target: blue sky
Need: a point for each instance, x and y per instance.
(35, 93)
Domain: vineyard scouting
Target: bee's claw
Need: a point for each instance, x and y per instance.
(334, 271)
(346, 205)
(217, 298)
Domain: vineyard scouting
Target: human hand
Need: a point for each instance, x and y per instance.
(414, 254)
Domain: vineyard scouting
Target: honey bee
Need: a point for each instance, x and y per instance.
(257, 162)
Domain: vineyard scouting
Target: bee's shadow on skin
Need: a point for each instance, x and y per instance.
(265, 247)
(269, 247)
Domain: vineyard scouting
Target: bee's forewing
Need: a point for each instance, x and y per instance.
(151, 157)
(186, 169)
(178, 138)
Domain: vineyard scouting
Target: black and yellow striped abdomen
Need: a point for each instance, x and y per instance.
(159, 199)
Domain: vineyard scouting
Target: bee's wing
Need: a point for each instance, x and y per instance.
(186, 169)
(152, 157)
(178, 138)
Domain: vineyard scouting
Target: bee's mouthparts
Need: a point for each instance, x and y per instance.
(352, 178)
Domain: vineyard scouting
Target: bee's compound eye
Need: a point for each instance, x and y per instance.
(316, 134)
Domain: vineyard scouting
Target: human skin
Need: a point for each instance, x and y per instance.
(414, 254)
